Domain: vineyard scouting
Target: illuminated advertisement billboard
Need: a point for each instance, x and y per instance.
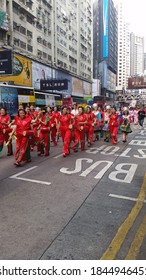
(22, 72)
(105, 28)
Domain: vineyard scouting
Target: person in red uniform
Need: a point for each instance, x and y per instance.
(56, 113)
(113, 125)
(64, 128)
(90, 125)
(43, 141)
(33, 115)
(80, 126)
(5, 130)
(53, 129)
(22, 132)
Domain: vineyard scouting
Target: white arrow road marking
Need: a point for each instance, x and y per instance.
(124, 197)
(28, 180)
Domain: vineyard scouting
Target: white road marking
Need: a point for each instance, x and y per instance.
(78, 166)
(58, 156)
(124, 197)
(29, 180)
(33, 181)
(22, 172)
(94, 165)
(129, 174)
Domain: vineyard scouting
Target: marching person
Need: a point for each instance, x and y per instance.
(106, 128)
(80, 126)
(97, 126)
(90, 125)
(4, 131)
(64, 128)
(113, 125)
(22, 131)
(125, 127)
(43, 139)
(52, 120)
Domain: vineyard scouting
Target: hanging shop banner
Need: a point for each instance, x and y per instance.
(22, 73)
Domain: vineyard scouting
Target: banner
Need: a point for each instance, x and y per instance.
(105, 28)
(22, 73)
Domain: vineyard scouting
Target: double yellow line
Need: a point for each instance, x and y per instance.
(114, 247)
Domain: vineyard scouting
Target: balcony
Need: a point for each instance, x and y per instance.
(24, 8)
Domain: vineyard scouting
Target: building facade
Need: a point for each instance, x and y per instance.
(144, 62)
(136, 55)
(123, 69)
(105, 45)
(56, 36)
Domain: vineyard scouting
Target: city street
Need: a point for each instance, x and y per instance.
(89, 205)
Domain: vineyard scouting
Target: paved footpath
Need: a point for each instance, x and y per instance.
(89, 205)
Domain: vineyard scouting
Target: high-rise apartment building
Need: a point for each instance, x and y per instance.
(56, 33)
(145, 62)
(136, 54)
(123, 69)
(105, 45)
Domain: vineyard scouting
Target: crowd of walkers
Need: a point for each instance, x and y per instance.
(33, 127)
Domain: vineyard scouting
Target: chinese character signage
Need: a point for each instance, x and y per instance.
(54, 84)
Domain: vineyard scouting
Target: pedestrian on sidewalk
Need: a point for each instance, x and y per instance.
(141, 116)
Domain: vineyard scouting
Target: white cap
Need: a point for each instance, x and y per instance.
(125, 109)
(108, 107)
(95, 105)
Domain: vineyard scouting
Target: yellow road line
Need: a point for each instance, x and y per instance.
(137, 242)
(123, 230)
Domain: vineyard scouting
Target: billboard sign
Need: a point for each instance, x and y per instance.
(54, 84)
(105, 28)
(22, 73)
(9, 99)
(5, 62)
(41, 72)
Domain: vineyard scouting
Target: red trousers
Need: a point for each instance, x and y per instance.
(79, 138)
(90, 134)
(44, 139)
(113, 131)
(66, 138)
(53, 131)
(21, 146)
(4, 138)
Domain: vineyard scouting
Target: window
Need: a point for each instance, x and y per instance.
(29, 48)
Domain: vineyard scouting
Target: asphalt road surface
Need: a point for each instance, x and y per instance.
(89, 205)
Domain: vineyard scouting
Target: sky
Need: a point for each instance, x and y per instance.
(135, 14)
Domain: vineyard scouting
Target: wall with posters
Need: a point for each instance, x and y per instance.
(22, 72)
